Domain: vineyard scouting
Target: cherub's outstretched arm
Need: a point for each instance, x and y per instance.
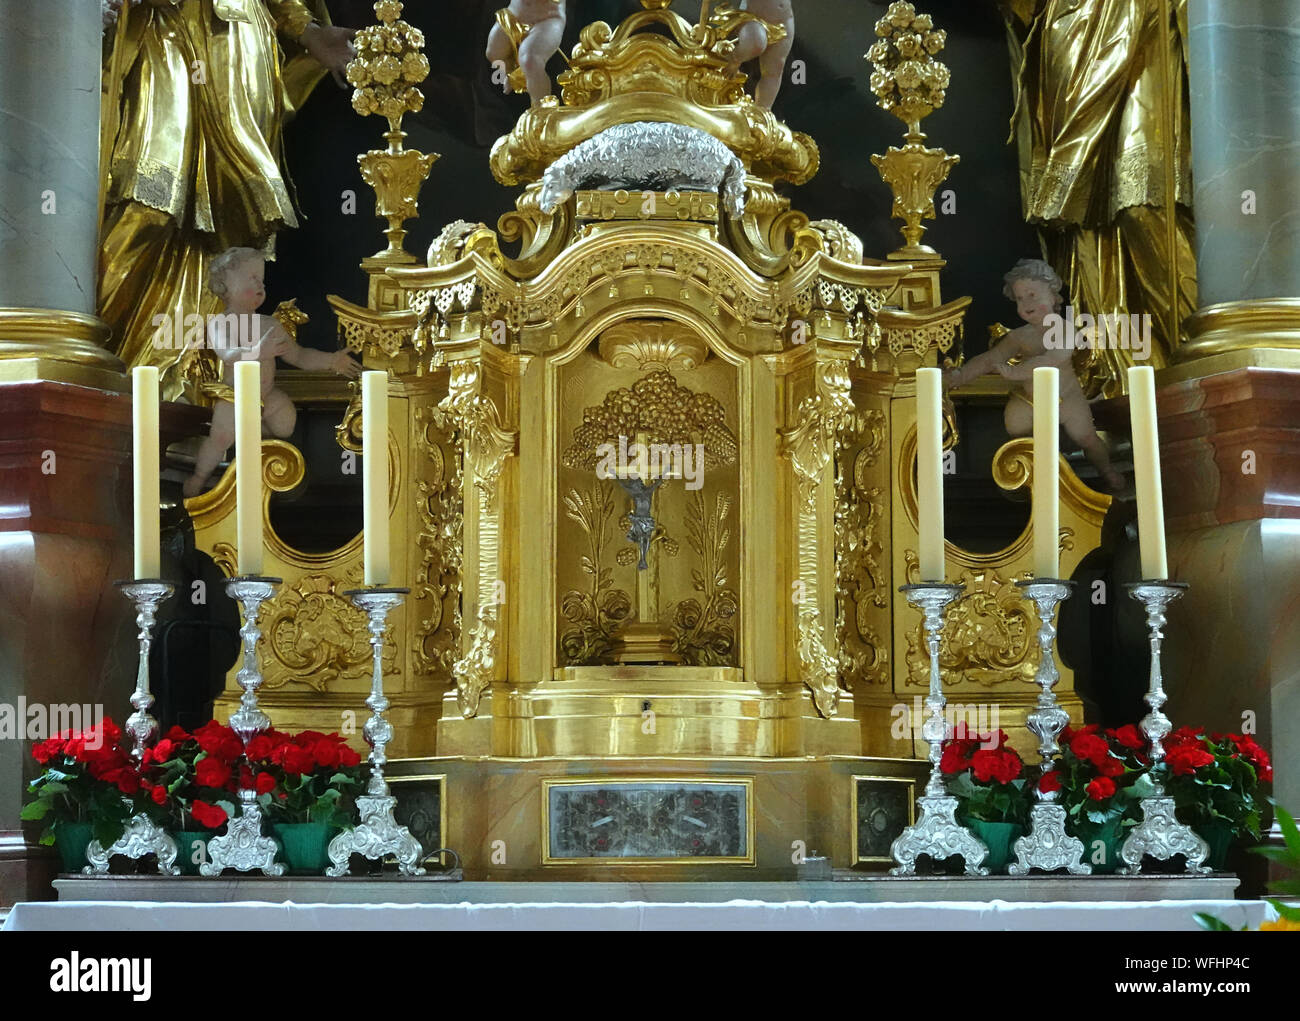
(983, 364)
(310, 359)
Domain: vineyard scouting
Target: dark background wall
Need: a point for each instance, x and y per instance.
(464, 113)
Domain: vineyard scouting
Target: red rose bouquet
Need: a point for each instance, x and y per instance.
(987, 778)
(88, 777)
(1215, 780)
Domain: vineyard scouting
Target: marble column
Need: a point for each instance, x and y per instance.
(50, 56)
(1244, 78)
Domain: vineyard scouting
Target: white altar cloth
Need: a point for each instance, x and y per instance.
(287, 916)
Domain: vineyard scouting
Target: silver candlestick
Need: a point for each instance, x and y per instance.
(1047, 846)
(243, 846)
(142, 836)
(936, 833)
(1159, 834)
(378, 834)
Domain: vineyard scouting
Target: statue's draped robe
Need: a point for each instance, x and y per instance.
(197, 160)
(1089, 122)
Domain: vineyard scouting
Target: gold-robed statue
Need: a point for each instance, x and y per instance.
(1090, 121)
(196, 96)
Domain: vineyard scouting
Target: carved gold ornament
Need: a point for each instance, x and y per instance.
(659, 407)
(909, 83)
(652, 345)
(595, 615)
(385, 73)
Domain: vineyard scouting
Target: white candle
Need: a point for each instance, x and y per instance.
(144, 448)
(1146, 469)
(374, 479)
(1047, 473)
(248, 466)
(929, 472)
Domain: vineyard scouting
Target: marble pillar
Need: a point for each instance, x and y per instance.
(1244, 78)
(50, 56)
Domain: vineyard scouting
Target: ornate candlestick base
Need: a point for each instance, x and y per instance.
(936, 833)
(1159, 834)
(243, 846)
(379, 833)
(142, 836)
(1047, 846)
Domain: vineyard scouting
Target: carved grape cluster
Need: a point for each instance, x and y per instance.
(655, 404)
(388, 66)
(908, 81)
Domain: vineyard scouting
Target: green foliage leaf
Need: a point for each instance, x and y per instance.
(1290, 833)
(36, 809)
(1291, 912)
(1214, 924)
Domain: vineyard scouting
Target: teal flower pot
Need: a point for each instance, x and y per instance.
(1101, 844)
(304, 846)
(1220, 837)
(187, 851)
(71, 840)
(998, 837)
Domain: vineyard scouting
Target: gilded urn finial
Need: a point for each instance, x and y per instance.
(909, 82)
(385, 74)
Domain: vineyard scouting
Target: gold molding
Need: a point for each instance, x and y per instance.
(1233, 326)
(58, 345)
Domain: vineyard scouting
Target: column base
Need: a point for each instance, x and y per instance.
(54, 345)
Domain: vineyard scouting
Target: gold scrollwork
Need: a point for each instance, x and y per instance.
(809, 445)
(989, 634)
(484, 445)
(314, 635)
(860, 581)
(440, 513)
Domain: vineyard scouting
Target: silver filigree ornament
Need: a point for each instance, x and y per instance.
(142, 836)
(243, 846)
(936, 834)
(378, 834)
(1047, 846)
(647, 155)
(1159, 834)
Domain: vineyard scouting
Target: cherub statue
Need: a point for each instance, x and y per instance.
(752, 41)
(527, 34)
(240, 334)
(1036, 289)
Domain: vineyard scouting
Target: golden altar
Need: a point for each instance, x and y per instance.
(764, 644)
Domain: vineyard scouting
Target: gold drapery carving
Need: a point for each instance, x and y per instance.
(1090, 127)
(196, 165)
